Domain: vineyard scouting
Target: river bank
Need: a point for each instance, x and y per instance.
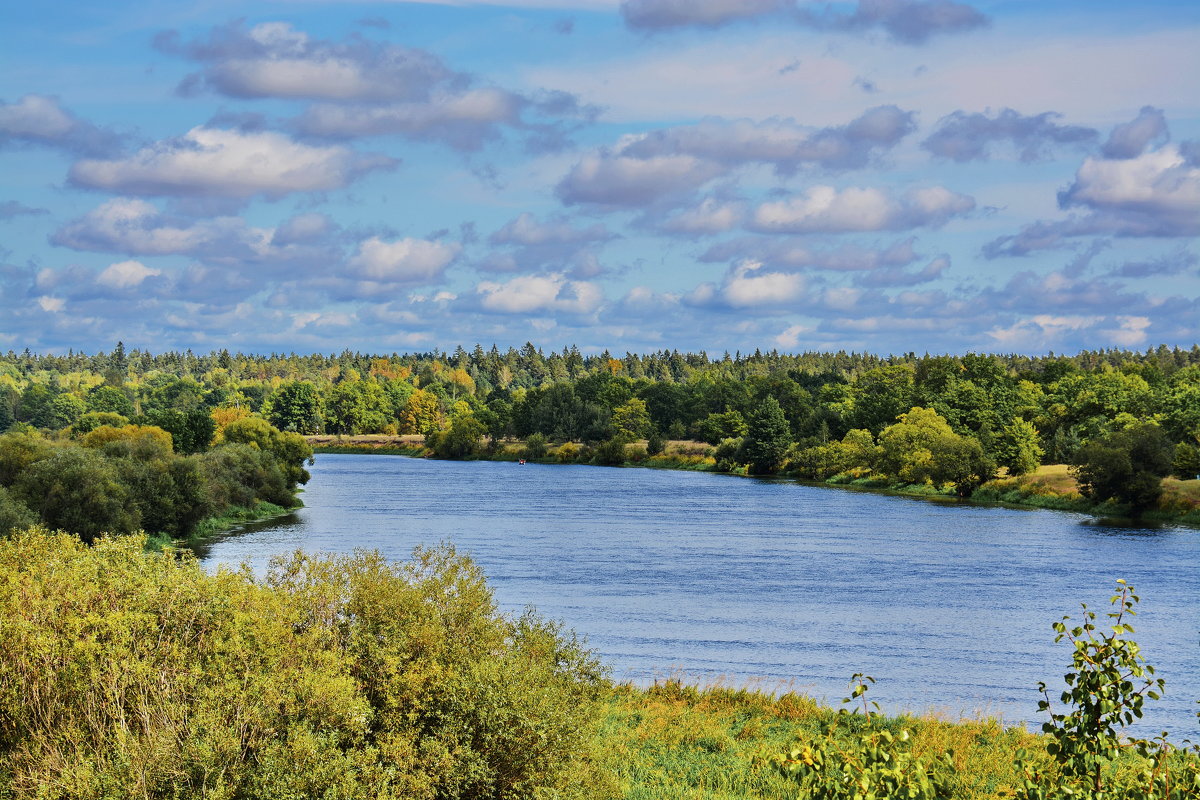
(1051, 487)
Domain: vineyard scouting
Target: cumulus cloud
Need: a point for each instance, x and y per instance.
(363, 88)
(781, 143)
(273, 59)
(969, 137)
(1129, 191)
(887, 277)
(608, 179)
(136, 227)
(406, 261)
(711, 216)
(1160, 188)
(1177, 263)
(645, 168)
(465, 120)
(1130, 139)
(533, 294)
(214, 162)
(825, 209)
(39, 120)
(1051, 330)
(126, 275)
(907, 21)
(748, 285)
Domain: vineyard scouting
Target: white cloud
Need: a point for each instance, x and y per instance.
(614, 180)
(825, 209)
(51, 305)
(214, 162)
(1130, 331)
(1160, 183)
(749, 286)
(539, 293)
(126, 274)
(790, 336)
(411, 261)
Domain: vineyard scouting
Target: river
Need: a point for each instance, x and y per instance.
(772, 583)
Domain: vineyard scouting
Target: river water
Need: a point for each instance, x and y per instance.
(770, 583)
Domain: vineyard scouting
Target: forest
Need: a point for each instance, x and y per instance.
(1122, 419)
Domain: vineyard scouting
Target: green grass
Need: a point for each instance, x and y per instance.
(672, 741)
(237, 515)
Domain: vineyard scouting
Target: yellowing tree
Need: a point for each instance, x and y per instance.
(422, 414)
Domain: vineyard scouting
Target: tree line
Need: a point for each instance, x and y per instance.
(914, 419)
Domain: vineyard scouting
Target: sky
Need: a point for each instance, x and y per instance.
(1014, 176)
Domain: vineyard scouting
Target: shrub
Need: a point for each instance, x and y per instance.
(1127, 466)
(656, 444)
(728, 455)
(610, 453)
(133, 674)
(536, 446)
(567, 453)
(78, 490)
(14, 515)
(1108, 683)
(94, 419)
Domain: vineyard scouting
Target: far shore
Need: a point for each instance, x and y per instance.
(1051, 487)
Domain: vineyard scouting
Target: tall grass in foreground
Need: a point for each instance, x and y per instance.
(678, 742)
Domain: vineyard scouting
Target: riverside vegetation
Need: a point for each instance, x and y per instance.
(947, 425)
(104, 475)
(134, 673)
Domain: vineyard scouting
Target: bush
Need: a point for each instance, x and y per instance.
(1186, 465)
(239, 475)
(536, 447)
(656, 444)
(14, 515)
(1127, 466)
(290, 450)
(728, 455)
(78, 490)
(610, 453)
(460, 440)
(94, 419)
(345, 677)
(567, 453)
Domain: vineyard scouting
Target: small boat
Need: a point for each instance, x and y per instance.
(520, 461)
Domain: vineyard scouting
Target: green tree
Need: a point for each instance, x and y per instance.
(78, 490)
(296, 406)
(767, 438)
(631, 420)
(921, 447)
(1019, 447)
(192, 430)
(1127, 466)
(357, 406)
(289, 449)
(460, 440)
(14, 515)
(110, 399)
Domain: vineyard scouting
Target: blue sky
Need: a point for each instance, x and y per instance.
(880, 175)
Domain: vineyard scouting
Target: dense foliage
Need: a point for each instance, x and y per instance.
(132, 674)
(120, 478)
(945, 420)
